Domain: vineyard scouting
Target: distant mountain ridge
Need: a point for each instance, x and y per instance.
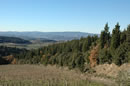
(57, 36)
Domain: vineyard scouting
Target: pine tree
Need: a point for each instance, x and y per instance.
(128, 35)
(121, 55)
(86, 44)
(123, 37)
(105, 36)
(115, 40)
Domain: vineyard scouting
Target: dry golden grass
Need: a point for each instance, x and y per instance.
(39, 75)
(35, 72)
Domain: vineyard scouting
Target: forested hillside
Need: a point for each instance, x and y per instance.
(82, 53)
(4, 39)
(7, 54)
(90, 51)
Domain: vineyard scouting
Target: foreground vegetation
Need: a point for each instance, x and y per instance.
(39, 75)
(49, 83)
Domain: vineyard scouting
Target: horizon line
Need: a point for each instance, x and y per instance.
(51, 31)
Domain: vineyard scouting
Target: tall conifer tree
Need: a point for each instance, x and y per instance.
(115, 40)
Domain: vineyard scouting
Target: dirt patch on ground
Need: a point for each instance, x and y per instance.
(111, 70)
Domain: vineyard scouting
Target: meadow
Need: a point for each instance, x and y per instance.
(26, 46)
(39, 75)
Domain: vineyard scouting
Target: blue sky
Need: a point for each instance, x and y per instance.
(63, 15)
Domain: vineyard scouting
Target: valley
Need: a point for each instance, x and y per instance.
(93, 60)
(64, 42)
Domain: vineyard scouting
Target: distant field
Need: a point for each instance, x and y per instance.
(39, 75)
(27, 46)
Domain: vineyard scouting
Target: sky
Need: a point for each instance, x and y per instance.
(63, 15)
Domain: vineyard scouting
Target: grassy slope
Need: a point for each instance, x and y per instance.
(39, 75)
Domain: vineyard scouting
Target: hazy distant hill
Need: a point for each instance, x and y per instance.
(41, 40)
(4, 39)
(58, 36)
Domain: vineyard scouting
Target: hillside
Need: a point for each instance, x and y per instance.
(40, 75)
(4, 39)
(31, 43)
(7, 54)
(41, 40)
(102, 58)
(92, 50)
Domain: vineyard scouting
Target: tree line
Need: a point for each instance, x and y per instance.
(107, 48)
(115, 47)
(6, 51)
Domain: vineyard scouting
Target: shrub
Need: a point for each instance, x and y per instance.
(123, 78)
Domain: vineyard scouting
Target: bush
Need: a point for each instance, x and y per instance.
(123, 78)
(121, 55)
(105, 56)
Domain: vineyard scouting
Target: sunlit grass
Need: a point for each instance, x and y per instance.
(49, 83)
(39, 75)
